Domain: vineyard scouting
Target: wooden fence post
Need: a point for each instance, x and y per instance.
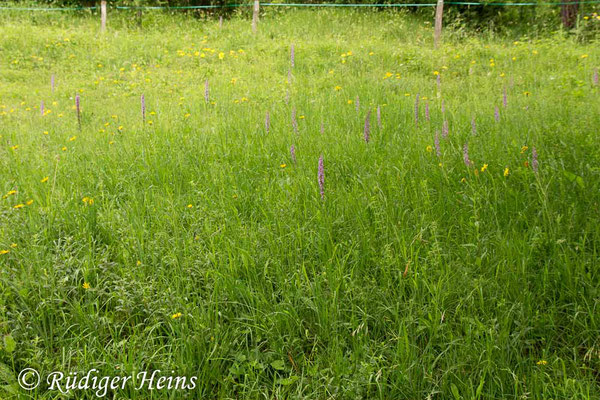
(255, 15)
(103, 15)
(439, 10)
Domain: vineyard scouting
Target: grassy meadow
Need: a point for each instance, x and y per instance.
(191, 239)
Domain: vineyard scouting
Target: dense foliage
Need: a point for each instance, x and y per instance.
(472, 16)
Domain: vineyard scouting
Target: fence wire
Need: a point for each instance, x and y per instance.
(313, 5)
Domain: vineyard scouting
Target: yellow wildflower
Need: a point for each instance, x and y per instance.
(506, 171)
(85, 285)
(176, 315)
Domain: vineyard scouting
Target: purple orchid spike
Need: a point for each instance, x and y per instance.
(417, 109)
(534, 160)
(52, 82)
(287, 97)
(443, 107)
(379, 116)
(78, 109)
(504, 98)
(438, 80)
(293, 153)
(294, 121)
(427, 111)
(143, 104)
(473, 126)
(367, 130)
(595, 77)
(445, 129)
(497, 114)
(321, 177)
(357, 104)
(468, 162)
(436, 142)
(42, 108)
(293, 56)
(267, 122)
(289, 77)
(206, 91)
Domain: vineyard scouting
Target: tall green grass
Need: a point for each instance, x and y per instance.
(417, 276)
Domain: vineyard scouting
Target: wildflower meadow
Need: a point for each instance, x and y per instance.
(328, 208)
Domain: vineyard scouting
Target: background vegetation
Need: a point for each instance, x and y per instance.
(490, 16)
